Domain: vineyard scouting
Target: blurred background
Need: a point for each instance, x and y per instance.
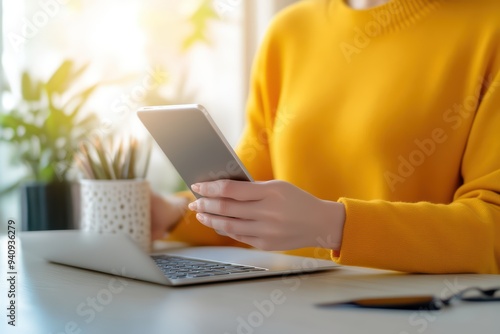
(72, 68)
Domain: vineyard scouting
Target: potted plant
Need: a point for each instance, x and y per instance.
(45, 127)
(115, 196)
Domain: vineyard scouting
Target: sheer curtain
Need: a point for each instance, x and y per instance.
(257, 14)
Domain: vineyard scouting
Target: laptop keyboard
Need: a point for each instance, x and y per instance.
(175, 267)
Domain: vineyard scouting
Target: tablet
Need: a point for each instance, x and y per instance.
(193, 143)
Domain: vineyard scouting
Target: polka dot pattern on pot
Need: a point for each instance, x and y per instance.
(117, 206)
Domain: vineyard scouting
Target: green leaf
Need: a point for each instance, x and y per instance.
(131, 168)
(125, 166)
(82, 98)
(101, 154)
(200, 20)
(63, 77)
(56, 125)
(14, 121)
(94, 165)
(31, 90)
(78, 72)
(9, 121)
(148, 159)
(47, 173)
(58, 82)
(117, 160)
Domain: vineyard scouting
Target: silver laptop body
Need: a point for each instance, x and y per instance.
(117, 254)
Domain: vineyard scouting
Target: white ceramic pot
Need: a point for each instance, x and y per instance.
(117, 206)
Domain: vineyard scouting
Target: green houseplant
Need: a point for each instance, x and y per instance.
(44, 127)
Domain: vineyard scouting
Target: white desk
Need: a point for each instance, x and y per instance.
(50, 295)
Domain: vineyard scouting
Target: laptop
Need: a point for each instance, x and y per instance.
(117, 254)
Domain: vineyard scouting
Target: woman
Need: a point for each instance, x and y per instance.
(374, 128)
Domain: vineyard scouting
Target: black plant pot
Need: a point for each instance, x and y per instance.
(47, 206)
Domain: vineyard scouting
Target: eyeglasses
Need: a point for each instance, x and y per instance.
(424, 302)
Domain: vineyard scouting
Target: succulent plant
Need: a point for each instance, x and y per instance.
(113, 159)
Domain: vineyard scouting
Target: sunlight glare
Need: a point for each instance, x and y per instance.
(115, 35)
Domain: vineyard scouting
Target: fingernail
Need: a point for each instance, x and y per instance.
(200, 217)
(195, 187)
(193, 206)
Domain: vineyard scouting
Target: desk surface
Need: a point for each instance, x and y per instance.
(53, 298)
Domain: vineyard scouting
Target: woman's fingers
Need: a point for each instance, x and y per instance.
(238, 190)
(230, 226)
(268, 215)
(225, 207)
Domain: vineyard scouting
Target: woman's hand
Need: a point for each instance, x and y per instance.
(272, 215)
(165, 213)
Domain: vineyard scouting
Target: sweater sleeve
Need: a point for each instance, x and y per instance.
(460, 237)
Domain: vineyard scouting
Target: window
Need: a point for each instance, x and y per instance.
(142, 52)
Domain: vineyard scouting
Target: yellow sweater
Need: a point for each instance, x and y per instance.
(393, 111)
